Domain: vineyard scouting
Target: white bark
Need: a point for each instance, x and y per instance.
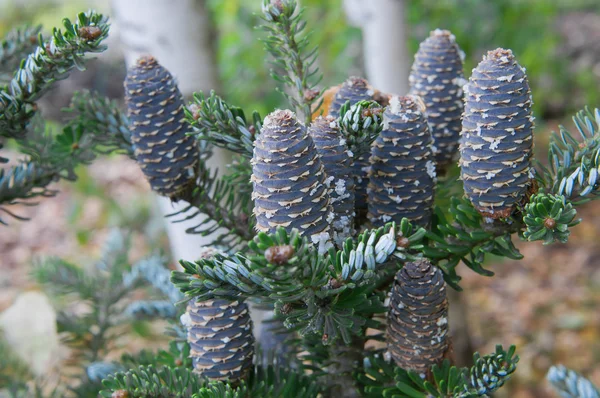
(179, 34)
(385, 41)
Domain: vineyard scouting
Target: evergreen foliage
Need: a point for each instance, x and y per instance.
(272, 219)
(570, 384)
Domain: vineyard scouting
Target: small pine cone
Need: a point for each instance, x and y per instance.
(155, 110)
(288, 179)
(337, 162)
(354, 89)
(417, 330)
(402, 175)
(437, 77)
(497, 135)
(221, 340)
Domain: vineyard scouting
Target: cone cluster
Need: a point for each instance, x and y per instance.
(402, 175)
(417, 331)
(497, 135)
(289, 182)
(337, 162)
(354, 89)
(220, 338)
(437, 77)
(155, 110)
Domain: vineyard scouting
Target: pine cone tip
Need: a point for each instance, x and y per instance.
(278, 118)
(502, 55)
(442, 34)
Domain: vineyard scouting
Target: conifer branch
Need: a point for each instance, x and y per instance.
(103, 119)
(574, 163)
(488, 373)
(52, 60)
(150, 382)
(51, 158)
(332, 296)
(226, 203)
(223, 125)
(293, 59)
(570, 384)
(466, 236)
(15, 46)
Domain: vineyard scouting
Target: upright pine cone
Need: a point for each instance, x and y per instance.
(337, 162)
(221, 340)
(497, 135)
(166, 155)
(354, 89)
(402, 175)
(288, 180)
(437, 77)
(417, 330)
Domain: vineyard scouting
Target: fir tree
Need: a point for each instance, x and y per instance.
(278, 212)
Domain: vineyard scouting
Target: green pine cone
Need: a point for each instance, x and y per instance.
(337, 162)
(167, 156)
(548, 217)
(402, 174)
(289, 181)
(437, 77)
(497, 135)
(220, 338)
(417, 331)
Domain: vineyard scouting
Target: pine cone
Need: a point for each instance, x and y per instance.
(166, 155)
(417, 331)
(497, 135)
(354, 89)
(437, 77)
(289, 180)
(402, 175)
(337, 162)
(221, 340)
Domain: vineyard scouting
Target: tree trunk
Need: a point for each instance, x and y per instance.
(387, 62)
(180, 35)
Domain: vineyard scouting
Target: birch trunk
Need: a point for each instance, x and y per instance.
(387, 63)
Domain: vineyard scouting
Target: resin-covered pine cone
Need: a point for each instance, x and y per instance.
(158, 128)
(402, 175)
(437, 77)
(417, 330)
(288, 179)
(497, 136)
(354, 89)
(337, 162)
(220, 338)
